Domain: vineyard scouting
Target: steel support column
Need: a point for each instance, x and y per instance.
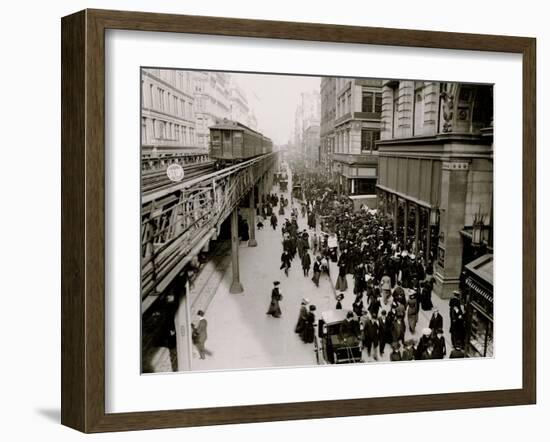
(252, 219)
(236, 286)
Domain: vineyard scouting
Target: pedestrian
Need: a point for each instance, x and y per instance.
(440, 349)
(412, 312)
(398, 330)
(316, 271)
(385, 331)
(428, 353)
(302, 316)
(308, 332)
(399, 294)
(374, 306)
(306, 263)
(199, 334)
(274, 307)
(285, 261)
(395, 355)
(339, 300)
(273, 221)
(341, 281)
(436, 321)
(426, 296)
(371, 340)
(457, 329)
(385, 287)
(408, 351)
(358, 306)
(423, 343)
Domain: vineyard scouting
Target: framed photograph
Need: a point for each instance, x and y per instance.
(267, 221)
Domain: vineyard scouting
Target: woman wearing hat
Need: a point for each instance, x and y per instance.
(339, 300)
(302, 316)
(274, 307)
(316, 271)
(308, 331)
(412, 312)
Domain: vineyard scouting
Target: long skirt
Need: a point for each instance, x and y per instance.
(307, 333)
(300, 325)
(316, 276)
(341, 284)
(274, 309)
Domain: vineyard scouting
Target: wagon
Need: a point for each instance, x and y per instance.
(329, 345)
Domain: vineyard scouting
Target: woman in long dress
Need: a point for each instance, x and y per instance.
(274, 307)
(316, 271)
(308, 332)
(341, 282)
(302, 317)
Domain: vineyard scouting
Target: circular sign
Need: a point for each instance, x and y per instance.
(175, 172)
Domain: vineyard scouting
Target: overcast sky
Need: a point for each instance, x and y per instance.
(274, 99)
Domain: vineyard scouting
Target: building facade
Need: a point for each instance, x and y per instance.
(212, 102)
(168, 109)
(307, 117)
(328, 114)
(436, 172)
(312, 145)
(350, 128)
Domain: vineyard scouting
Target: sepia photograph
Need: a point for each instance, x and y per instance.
(304, 221)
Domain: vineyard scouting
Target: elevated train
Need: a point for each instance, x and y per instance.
(232, 142)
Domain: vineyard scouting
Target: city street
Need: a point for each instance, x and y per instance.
(241, 335)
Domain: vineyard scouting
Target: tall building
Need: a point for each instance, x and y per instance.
(307, 116)
(436, 172)
(168, 114)
(350, 126)
(328, 114)
(212, 102)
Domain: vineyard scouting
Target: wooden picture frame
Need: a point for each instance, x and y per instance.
(83, 216)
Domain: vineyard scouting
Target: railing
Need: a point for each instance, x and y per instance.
(177, 219)
(162, 161)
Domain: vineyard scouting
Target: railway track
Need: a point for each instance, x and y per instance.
(158, 180)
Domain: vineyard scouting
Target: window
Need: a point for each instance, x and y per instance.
(143, 130)
(418, 111)
(368, 102)
(372, 102)
(161, 98)
(368, 140)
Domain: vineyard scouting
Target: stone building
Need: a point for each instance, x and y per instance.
(350, 127)
(308, 114)
(168, 114)
(212, 102)
(311, 145)
(436, 172)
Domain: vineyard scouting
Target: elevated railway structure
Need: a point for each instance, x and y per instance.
(179, 219)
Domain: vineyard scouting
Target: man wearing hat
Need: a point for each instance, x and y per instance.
(395, 355)
(408, 351)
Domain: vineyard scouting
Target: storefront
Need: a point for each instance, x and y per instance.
(416, 223)
(479, 307)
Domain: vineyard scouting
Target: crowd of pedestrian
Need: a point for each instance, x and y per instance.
(392, 282)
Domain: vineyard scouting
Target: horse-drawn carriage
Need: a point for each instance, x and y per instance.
(338, 338)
